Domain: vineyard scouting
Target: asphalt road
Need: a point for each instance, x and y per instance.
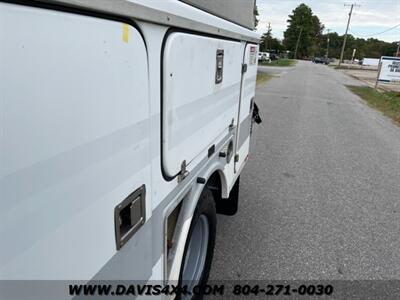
(274, 70)
(320, 196)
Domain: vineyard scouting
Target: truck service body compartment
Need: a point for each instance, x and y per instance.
(101, 99)
(74, 106)
(246, 102)
(196, 109)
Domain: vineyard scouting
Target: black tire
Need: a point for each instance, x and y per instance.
(205, 206)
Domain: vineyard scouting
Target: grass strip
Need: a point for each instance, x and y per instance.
(280, 63)
(263, 77)
(386, 102)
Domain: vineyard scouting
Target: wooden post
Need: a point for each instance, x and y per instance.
(379, 74)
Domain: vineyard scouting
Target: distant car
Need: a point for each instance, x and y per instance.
(273, 56)
(321, 60)
(264, 57)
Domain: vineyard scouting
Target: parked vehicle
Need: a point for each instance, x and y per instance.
(321, 60)
(125, 129)
(273, 56)
(264, 57)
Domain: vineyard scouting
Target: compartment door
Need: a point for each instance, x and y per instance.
(74, 143)
(246, 105)
(201, 88)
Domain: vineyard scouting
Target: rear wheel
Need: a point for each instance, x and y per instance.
(199, 248)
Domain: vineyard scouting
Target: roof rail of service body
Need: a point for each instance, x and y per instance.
(171, 13)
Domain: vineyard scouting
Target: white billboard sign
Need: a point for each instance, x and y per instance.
(390, 69)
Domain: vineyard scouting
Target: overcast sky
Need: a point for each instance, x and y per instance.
(373, 16)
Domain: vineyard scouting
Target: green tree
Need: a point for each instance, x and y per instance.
(303, 23)
(266, 39)
(269, 43)
(277, 46)
(372, 48)
(335, 45)
(313, 42)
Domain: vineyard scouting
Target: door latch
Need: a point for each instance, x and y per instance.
(244, 68)
(219, 72)
(129, 216)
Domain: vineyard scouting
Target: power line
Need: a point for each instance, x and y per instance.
(368, 35)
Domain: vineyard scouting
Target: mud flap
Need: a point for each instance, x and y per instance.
(229, 206)
(256, 114)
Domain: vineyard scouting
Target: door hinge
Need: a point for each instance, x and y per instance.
(232, 125)
(184, 172)
(244, 68)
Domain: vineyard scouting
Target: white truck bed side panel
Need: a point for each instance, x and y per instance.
(74, 142)
(245, 114)
(196, 110)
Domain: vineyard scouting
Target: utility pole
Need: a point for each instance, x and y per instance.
(269, 36)
(327, 44)
(347, 29)
(298, 42)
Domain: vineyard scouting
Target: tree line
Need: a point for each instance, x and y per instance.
(305, 31)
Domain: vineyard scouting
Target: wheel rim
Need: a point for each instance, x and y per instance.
(196, 253)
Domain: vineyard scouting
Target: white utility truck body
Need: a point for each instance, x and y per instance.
(105, 104)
